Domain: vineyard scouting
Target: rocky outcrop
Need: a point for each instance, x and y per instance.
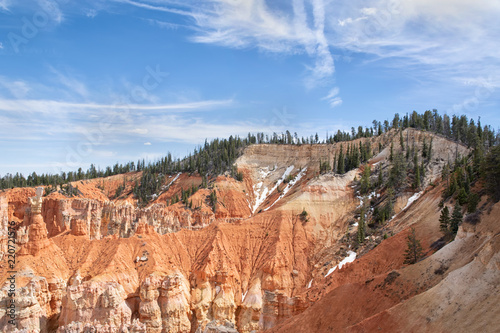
(95, 327)
(149, 310)
(95, 302)
(217, 326)
(174, 302)
(105, 218)
(37, 229)
(30, 307)
(4, 221)
(78, 227)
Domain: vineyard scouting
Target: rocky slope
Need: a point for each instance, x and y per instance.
(256, 263)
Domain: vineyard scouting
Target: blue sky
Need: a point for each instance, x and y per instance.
(112, 81)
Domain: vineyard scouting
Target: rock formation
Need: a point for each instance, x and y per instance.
(266, 259)
(37, 229)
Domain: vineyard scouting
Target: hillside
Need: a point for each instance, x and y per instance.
(275, 251)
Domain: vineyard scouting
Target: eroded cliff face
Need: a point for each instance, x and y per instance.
(258, 260)
(107, 218)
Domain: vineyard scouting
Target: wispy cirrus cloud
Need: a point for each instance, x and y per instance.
(453, 37)
(17, 88)
(5, 4)
(71, 83)
(448, 40)
(445, 40)
(332, 98)
(52, 8)
(152, 5)
(255, 23)
(51, 106)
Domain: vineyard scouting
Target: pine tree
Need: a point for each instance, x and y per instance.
(365, 180)
(361, 227)
(473, 201)
(416, 183)
(445, 174)
(453, 185)
(213, 200)
(414, 252)
(444, 220)
(422, 171)
(415, 161)
(456, 218)
(492, 172)
(380, 176)
(391, 156)
(424, 149)
(401, 140)
(429, 152)
(341, 161)
(389, 205)
(397, 173)
(462, 197)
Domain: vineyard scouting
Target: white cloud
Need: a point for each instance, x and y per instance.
(18, 88)
(73, 84)
(332, 98)
(369, 11)
(91, 13)
(154, 7)
(448, 33)
(140, 131)
(256, 23)
(1, 45)
(439, 41)
(147, 143)
(52, 106)
(52, 9)
(4, 5)
(450, 38)
(103, 153)
(163, 24)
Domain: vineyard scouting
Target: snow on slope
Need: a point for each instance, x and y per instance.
(262, 194)
(173, 180)
(289, 186)
(351, 256)
(412, 199)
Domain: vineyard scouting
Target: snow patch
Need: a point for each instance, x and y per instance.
(289, 185)
(351, 256)
(264, 193)
(361, 201)
(412, 199)
(173, 180)
(243, 296)
(260, 198)
(264, 172)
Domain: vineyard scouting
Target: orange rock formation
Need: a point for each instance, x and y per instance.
(257, 263)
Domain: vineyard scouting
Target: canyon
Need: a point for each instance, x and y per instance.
(274, 253)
